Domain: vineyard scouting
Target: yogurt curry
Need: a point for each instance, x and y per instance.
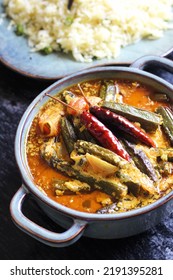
(106, 149)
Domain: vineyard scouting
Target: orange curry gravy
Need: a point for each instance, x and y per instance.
(133, 94)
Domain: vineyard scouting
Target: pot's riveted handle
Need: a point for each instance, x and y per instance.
(148, 61)
(45, 236)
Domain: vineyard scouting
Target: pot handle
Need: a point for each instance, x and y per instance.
(149, 60)
(48, 237)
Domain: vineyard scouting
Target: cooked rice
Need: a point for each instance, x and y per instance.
(91, 29)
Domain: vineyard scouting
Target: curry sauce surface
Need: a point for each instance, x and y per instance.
(133, 94)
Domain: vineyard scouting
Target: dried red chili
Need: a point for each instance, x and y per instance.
(106, 116)
(106, 138)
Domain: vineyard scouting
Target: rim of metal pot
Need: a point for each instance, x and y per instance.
(28, 182)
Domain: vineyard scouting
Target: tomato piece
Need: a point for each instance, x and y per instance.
(79, 105)
(46, 129)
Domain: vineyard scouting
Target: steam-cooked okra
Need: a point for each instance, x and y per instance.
(167, 125)
(68, 134)
(111, 185)
(62, 186)
(148, 120)
(110, 92)
(127, 172)
(141, 160)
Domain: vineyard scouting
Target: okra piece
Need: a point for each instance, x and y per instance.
(82, 133)
(111, 186)
(102, 92)
(135, 180)
(160, 97)
(109, 91)
(128, 173)
(167, 125)
(87, 136)
(69, 185)
(127, 178)
(59, 186)
(148, 120)
(84, 147)
(68, 134)
(141, 160)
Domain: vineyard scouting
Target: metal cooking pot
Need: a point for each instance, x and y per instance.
(76, 224)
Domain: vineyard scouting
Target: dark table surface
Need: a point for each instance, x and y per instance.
(16, 93)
